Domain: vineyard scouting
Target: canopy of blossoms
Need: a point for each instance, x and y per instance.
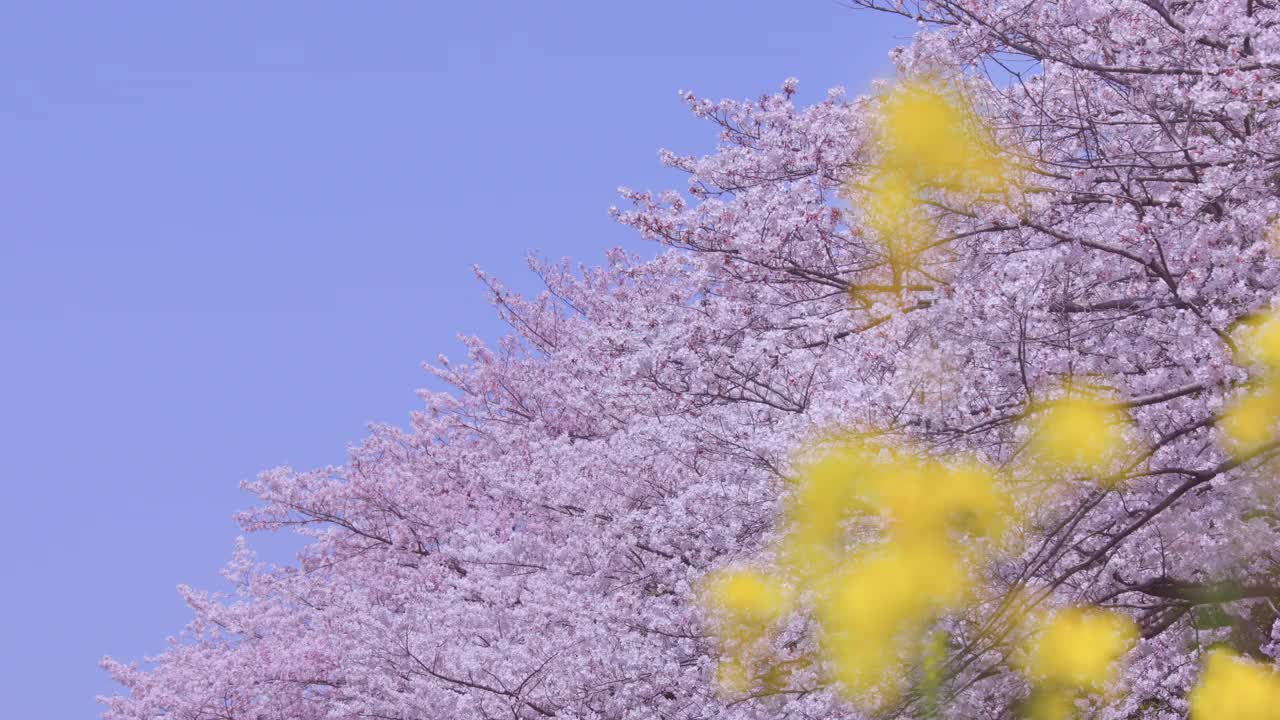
(1014, 309)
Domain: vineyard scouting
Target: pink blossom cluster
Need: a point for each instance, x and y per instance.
(533, 544)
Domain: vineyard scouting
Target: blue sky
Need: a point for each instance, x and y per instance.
(230, 233)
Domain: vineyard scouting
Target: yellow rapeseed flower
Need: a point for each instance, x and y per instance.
(1080, 648)
(824, 492)
(927, 140)
(1079, 432)
(923, 131)
(747, 597)
(878, 609)
(732, 677)
(907, 495)
(971, 492)
(928, 135)
(1054, 704)
(1250, 421)
(895, 212)
(1262, 342)
(874, 606)
(1233, 688)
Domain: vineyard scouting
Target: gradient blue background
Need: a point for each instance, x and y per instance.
(231, 232)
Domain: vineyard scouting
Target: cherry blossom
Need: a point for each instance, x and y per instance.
(536, 542)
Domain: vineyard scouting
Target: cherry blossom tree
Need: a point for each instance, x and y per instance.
(535, 543)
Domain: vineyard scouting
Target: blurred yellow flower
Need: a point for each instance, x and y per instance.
(747, 597)
(732, 677)
(928, 135)
(971, 492)
(1233, 688)
(750, 601)
(1055, 704)
(895, 212)
(1079, 432)
(876, 612)
(882, 589)
(1250, 421)
(1080, 648)
(1262, 342)
(928, 140)
(825, 491)
(875, 606)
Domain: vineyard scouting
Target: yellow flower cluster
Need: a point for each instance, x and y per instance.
(877, 603)
(748, 601)
(1080, 432)
(874, 605)
(1250, 421)
(747, 596)
(1077, 649)
(929, 137)
(914, 522)
(928, 140)
(1232, 688)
